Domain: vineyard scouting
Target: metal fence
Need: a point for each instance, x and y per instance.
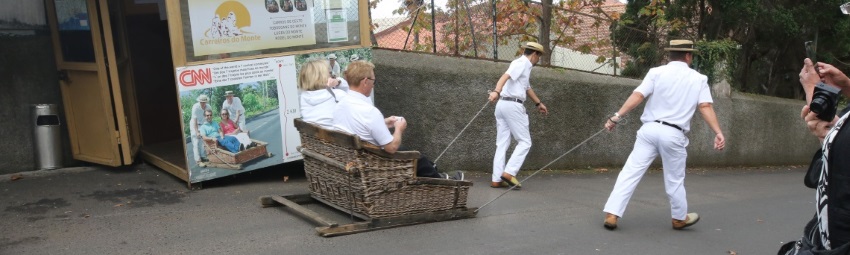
(581, 36)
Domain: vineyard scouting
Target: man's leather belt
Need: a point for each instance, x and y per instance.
(512, 99)
(670, 124)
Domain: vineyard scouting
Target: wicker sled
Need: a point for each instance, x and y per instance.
(379, 188)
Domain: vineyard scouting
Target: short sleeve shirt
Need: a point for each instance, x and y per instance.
(232, 108)
(227, 127)
(356, 115)
(209, 129)
(198, 113)
(518, 84)
(673, 92)
(335, 70)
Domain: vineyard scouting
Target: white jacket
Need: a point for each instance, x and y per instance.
(317, 106)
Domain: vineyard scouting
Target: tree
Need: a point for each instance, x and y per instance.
(551, 25)
(466, 26)
(769, 36)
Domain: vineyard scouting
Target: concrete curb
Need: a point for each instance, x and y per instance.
(45, 172)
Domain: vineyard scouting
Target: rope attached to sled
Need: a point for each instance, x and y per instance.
(214, 154)
(619, 123)
(461, 131)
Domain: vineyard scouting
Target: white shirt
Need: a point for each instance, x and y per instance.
(335, 69)
(518, 84)
(673, 92)
(232, 108)
(356, 115)
(198, 115)
(318, 106)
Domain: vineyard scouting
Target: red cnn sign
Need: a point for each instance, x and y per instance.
(191, 78)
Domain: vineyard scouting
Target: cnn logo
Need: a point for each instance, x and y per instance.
(191, 78)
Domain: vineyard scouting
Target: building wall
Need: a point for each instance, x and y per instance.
(28, 68)
(438, 96)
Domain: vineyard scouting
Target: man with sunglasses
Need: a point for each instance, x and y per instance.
(356, 115)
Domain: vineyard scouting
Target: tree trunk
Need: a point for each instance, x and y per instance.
(543, 37)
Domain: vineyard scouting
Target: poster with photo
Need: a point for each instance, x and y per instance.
(233, 115)
(238, 116)
(225, 26)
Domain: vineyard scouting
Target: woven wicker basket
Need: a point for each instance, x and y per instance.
(350, 176)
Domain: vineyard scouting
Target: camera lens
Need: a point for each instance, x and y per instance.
(818, 104)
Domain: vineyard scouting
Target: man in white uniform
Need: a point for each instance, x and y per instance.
(356, 115)
(335, 69)
(196, 121)
(674, 92)
(234, 107)
(511, 119)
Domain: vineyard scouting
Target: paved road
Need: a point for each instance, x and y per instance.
(142, 210)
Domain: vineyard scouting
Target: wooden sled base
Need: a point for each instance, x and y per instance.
(227, 166)
(329, 228)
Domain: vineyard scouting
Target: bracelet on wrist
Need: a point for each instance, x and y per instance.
(611, 120)
(538, 104)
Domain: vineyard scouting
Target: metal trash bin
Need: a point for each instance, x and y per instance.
(46, 142)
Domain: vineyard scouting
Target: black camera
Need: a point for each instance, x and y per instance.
(825, 101)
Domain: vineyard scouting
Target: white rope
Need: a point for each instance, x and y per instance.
(461, 131)
(619, 123)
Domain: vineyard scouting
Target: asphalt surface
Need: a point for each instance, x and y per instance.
(143, 210)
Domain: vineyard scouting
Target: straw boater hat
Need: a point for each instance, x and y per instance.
(332, 56)
(203, 98)
(534, 46)
(228, 93)
(681, 45)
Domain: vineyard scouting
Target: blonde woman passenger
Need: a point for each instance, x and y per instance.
(317, 96)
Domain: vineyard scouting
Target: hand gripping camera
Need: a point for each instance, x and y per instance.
(825, 101)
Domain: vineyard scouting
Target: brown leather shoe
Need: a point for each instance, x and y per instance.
(501, 184)
(610, 221)
(690, 219)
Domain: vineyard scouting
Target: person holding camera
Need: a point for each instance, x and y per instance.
(674, 92)
(829, 230)
(511, 119)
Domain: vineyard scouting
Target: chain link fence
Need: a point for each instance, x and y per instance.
(580, 36)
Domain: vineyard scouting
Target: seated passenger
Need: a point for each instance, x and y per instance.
(317, 98)
(210, 129)
(230, 129)
(356, 115)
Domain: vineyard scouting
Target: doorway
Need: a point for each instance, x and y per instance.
(150, 49)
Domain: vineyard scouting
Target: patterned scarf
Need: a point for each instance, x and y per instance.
(823, 184)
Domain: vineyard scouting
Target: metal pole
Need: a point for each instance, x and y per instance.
(495, 34)
(411, 28)
(471, 29)
(457, 27)
(433, 26)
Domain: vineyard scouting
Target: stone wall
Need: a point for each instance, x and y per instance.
(28, 71)
(439, 95)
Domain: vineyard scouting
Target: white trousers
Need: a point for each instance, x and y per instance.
(242, 125)
(653, 139)
(197, 145)
(511, 121)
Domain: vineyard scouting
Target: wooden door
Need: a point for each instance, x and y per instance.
(91, 71)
